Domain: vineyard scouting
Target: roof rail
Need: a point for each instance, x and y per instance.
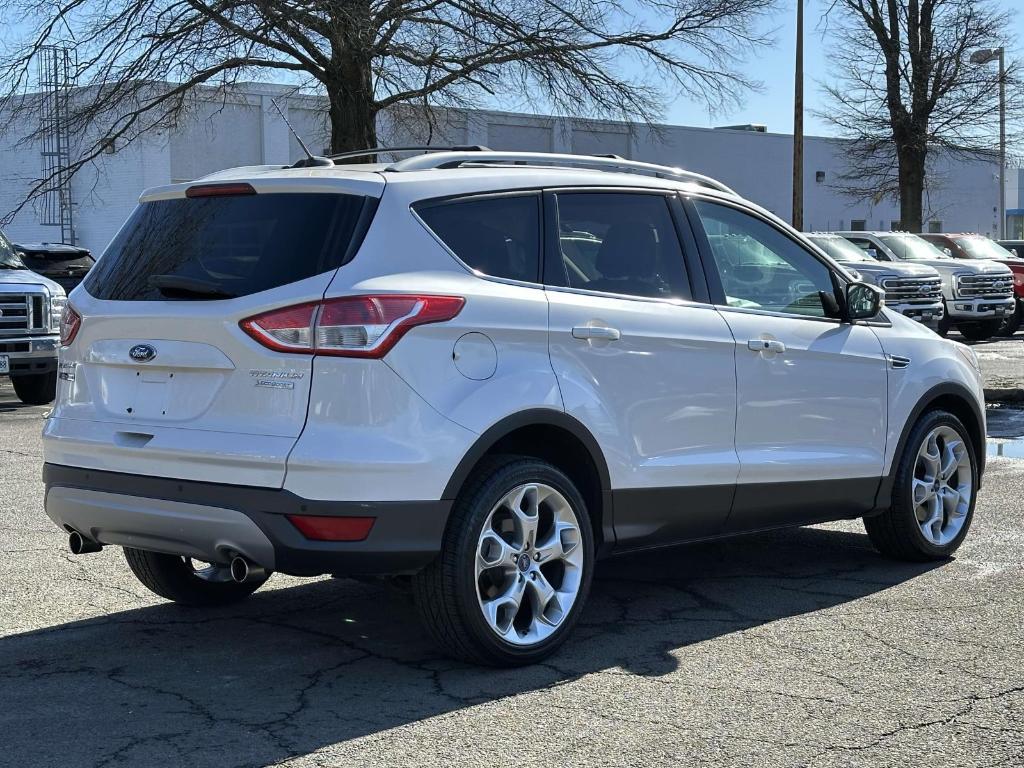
(385, 150)
(455, 159)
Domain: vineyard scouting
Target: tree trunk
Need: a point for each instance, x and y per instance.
(353, 121)
(911, 180)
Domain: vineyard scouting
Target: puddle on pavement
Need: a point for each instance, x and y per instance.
(1005, 432)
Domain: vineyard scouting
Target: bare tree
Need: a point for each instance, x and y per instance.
(140, 61)
(904, 89)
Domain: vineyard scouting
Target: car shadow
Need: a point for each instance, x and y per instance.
(296, 669)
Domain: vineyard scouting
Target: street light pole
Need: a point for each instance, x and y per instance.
(986, 56)
(1002, 143)
(798, 123)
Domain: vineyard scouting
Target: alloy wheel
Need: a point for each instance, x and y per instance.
(529, 564)
(942, 485)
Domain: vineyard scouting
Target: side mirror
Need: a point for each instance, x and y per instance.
(947, 251)
(863, 301)
(871, 252)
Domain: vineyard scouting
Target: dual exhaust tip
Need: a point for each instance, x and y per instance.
(243, 570)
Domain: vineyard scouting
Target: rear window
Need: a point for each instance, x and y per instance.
(223, 247)
(498, 236)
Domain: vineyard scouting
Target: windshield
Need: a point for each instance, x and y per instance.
(911, 248)
(841, 249)
(983, 248)
(9, 258)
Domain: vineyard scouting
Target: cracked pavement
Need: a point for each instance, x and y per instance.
(799, 647)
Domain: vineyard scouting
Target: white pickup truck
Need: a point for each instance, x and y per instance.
(30, 311)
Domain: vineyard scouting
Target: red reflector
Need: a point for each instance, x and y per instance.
(320, 528)
(219, 190)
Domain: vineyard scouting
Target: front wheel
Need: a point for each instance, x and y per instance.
(980, 331)
(187, 581)
(515, 566)
(35, 388)
(934, 493)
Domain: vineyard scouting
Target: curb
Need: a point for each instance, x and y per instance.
(1004, 395)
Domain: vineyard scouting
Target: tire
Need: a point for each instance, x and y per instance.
(899, 532)
(178, 579)
(1012, 324)
(35, 388)
(451, 592)
(980, 331)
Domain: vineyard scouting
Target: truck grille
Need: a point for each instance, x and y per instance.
(22, 314)
(912, 290)
(989, 286)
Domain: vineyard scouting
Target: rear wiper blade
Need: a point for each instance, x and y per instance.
(193, 285)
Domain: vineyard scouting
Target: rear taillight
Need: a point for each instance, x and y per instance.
(349, 326)
(70, 322)
(219, 190)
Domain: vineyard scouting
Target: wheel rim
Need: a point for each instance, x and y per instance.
(942, 485)
(528, 564)
(208, 571)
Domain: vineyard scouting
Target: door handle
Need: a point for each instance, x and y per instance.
(595, 332)
(766, 345)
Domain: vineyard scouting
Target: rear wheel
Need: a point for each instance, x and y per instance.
(934, 493)
(515, 566)
(35, 388)
(986, 329)
(187, 581)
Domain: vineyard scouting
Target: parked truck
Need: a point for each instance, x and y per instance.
(978, 293)
(30, 315)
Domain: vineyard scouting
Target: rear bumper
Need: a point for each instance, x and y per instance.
(215, 521)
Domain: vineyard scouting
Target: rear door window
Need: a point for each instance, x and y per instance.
(496, 235)
(227, 246)
(623, 243)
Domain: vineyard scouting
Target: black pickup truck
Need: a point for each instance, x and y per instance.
(64, 264)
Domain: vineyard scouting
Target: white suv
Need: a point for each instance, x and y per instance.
(484, 371)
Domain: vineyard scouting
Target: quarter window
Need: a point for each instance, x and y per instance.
(498, 236)
(761, 268)
(621, 243)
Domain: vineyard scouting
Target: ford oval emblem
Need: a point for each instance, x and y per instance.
(142, 353)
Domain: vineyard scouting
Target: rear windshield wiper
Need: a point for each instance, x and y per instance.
(175, 284)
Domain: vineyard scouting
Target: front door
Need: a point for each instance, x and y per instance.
(648, 371)
(811, 418)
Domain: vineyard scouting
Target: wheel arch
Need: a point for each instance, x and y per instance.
(559, 439)
(949, 396)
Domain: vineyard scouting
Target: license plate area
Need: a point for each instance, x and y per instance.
(5, 364)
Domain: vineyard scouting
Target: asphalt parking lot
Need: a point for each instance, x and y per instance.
(801, 647)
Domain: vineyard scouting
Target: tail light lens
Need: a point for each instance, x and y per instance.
(70, 322)
(349, 326)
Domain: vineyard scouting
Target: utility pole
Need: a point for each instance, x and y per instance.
(798, 123)
(1002, 143)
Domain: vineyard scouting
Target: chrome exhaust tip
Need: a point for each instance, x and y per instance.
(244, 571)
(79, 545)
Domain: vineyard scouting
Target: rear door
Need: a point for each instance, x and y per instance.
(642, 361)
(811, 417)
(160, 378)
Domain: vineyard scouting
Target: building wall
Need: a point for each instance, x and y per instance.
(245, 129)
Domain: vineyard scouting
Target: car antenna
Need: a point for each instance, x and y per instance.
(311, 160)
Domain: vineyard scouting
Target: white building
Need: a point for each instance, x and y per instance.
(244, 129)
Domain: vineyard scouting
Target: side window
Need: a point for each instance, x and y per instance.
(498, 236)
(621, 243)
(869, 247)
(760, 267)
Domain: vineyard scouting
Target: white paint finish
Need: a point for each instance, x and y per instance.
(275, 138)
(187, 454)
(816, 411)
(370, 437)
(661, 400)
(933, 362)
(520, 135)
